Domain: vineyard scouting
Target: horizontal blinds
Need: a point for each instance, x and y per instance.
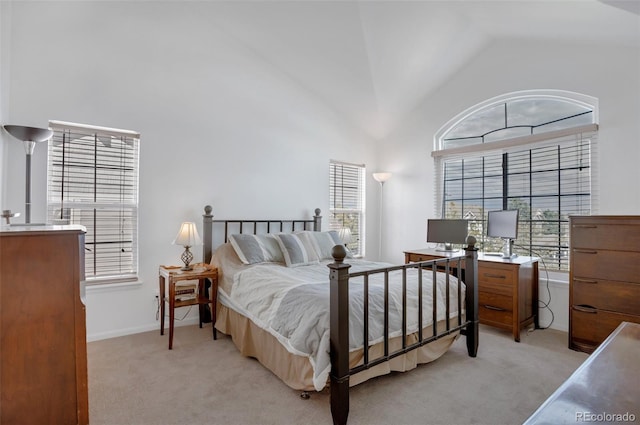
(93, 181)
(579, 157)
(346, 201)
(548, 181)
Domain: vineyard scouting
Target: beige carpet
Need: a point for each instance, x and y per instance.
(136, 380)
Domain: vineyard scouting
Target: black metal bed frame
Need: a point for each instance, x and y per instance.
(464, 265)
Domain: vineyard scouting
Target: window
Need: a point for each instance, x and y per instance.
(92, 180)
(485, 163)
(346, 199)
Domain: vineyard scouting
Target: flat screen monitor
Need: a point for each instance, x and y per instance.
(447, 231)
(503, 224)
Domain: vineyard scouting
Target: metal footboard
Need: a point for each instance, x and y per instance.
(464, 266)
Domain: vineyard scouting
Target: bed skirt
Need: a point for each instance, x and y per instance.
(296, 371)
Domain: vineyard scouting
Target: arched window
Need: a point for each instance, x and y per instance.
(533, 151)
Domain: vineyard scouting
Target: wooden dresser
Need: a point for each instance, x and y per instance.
(43, 366)
(507, 289)
(604, 281)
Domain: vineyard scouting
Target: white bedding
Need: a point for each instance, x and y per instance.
(292, 304)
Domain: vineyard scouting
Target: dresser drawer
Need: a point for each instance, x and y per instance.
(494, 308)
(622, 297)
(496, 280)
(610, 265)
(618, 237)
(417, 258)
(591, 326)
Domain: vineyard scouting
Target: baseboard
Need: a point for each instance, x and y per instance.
(155, 326)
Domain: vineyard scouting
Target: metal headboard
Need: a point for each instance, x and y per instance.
(252, 226)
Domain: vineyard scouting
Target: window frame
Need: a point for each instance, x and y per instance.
(506, 148)
(101, 172)
(354, 185)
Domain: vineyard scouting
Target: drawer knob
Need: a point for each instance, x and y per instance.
(499, 276)
(584, 251)
(490, 307)
(591, 282)
(585, 309)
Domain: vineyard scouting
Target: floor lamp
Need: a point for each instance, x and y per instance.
(29, 136)
(381, 178)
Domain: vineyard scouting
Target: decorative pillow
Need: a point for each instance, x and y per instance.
(323, 243)
(252, 249)
(297, 249)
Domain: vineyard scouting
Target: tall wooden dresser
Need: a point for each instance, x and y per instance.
(604, 280)
(43, 360)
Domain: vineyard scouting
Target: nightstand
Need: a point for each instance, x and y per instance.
(169, 276)
(507, 288)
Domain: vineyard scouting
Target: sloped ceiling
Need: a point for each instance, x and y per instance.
(375, 61)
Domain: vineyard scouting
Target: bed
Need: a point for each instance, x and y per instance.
(292, 296)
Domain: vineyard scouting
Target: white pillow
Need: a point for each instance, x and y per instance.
(253, 249)
(297, 249)
(323, 243)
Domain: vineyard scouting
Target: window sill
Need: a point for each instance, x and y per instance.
(112, 287)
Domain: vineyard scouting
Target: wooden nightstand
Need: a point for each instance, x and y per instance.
(200, 272)
(507, 289)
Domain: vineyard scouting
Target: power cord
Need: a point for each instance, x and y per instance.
(542, 304)
(176, 318)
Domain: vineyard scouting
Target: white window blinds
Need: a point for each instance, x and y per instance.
(547, 180)
(92, 181)
(346, 200)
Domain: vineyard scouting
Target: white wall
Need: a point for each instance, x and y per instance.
(4, 84)
(219, 125)
(612, 74)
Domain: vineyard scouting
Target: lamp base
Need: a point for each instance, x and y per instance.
(186, 258)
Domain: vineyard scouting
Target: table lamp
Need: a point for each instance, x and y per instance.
(345, 235)
(187, 237)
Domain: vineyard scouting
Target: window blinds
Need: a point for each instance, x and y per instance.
(346, 200)
(92, 181)
(548, 181)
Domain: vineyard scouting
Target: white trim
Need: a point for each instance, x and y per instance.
(144, 328)
(106, 286)
(335, 161)
(550, 136)
(64, 125)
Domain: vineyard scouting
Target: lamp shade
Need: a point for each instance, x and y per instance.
(382, 177)
(345, 235)
(31, 134)
(188, 235)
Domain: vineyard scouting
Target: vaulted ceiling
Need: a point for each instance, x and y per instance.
(375, 61)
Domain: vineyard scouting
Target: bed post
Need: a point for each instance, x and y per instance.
(317, 221)
(207, 234)
(471, 298)
(339, 334)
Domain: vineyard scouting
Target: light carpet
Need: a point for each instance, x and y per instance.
(136, 380)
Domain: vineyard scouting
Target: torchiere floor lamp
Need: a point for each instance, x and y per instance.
(381, 178)
(29, 136)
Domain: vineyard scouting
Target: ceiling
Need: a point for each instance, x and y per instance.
(374, 61)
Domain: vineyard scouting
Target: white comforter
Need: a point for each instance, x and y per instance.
(293, 303)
